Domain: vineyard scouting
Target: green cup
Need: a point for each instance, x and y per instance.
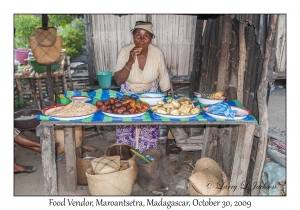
(104, 79)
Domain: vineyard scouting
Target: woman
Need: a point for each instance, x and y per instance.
(141, 67)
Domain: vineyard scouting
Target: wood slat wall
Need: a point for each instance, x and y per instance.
(218, 63)
(174, 35)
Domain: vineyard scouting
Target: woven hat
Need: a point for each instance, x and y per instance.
(144, 25)
(208, 179)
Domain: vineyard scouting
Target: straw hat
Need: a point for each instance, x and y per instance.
(208, 179)
(144, 25)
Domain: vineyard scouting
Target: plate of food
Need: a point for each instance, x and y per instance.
(237, 113)
(176, 108)
(114, 107)
(72, 111)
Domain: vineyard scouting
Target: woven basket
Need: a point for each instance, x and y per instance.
(123, 150)
(82, 165)
(116, 183)
(208, 179)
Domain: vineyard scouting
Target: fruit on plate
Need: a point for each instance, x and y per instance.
(115, 106)
(182, 106)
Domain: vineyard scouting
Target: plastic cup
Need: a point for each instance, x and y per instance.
(104, 79)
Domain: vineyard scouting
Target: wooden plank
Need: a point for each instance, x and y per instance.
(241, 158)
(40, 93)
(89, 48)
(69, 136)
(198, 52)
(69, 73)
(210, 137)
(242, 60)
(47, 140)
(33, 92)
(19, 88)
(262, 102)
(233, 62)
(224, 55)
(204, 67)
(64, 83)
(212, 58)
(49, 85)
(56, 86)
(225, 137)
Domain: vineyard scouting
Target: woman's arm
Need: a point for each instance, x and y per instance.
(122, 75)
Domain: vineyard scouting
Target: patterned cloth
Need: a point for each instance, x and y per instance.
(141, 137)
(16, 132)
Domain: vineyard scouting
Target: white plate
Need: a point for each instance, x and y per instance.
(123, 115)
(80, 98)
(51, 108)
(241, 114)
(176, 116)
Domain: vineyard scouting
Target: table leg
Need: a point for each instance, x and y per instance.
(19, 88)
(69, 134)
(241, 159)
(32, 88)
(39, 82)
(47, 140)
(181, 158)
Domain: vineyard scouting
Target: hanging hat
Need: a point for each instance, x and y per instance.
(208, 179)
(144, 25)
(46, 45)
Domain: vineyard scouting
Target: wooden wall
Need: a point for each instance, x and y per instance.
(236, 54)
(174, 35)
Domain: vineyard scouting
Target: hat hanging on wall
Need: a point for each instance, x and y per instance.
(45, 45)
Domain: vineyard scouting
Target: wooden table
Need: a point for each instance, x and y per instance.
(46, 131)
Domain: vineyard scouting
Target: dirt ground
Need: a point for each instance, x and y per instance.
(33, 185)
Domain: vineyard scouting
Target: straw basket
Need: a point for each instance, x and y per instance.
(82, 165)
(116, 183)
(208, 179)
(123, 150)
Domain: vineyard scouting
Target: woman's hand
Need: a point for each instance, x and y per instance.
(132, 56)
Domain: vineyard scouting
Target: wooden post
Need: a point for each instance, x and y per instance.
(69, 73)
(198, 52)
(242, 62)
(49, 85)
(19, 88)
(262, 103)
(56, 85)
(64, 82)
(69, 136)
(39, 82)
(224, 59)
(33, 93)
(47, 140)
(89, 48)
(241, 159)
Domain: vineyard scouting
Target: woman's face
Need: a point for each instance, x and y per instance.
(142, 38)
